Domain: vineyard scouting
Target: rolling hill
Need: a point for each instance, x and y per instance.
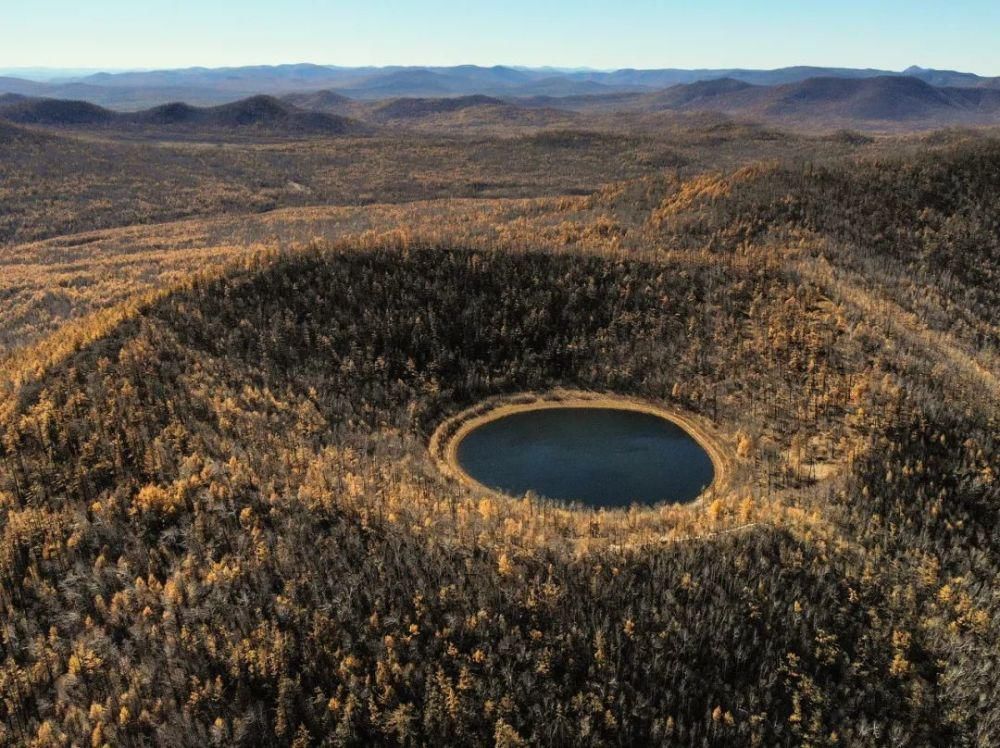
(880, 102)
(412, 108)
(323, 100)
(31, 111)
(416, 109)
(885, 99)
(259, 113)
(13, 135)
(465, 114)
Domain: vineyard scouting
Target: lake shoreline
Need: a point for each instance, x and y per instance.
(447, 437)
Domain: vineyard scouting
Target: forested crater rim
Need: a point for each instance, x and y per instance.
(448, 436)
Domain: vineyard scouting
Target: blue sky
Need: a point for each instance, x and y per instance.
(962, 34)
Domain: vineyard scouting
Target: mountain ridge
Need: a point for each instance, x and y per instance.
(871, 102)
(256, 112)
(206, 86)
(884, 98)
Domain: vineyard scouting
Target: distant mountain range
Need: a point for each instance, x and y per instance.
(432, 97)
(135, 90)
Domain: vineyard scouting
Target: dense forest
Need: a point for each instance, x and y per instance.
(932, 217)
(221, 524)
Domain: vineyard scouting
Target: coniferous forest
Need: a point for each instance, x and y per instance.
(220, 523)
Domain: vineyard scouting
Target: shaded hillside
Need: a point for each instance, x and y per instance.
(701, 95)
(258, 112)
(29, 111)
(585, 102)
(12, 135)
(865, 100)
(327, 101)
(951, 78)
(559, 86)
(936, 216)
(416, 108)
(888, 99)
(468, 113)
(262, 113)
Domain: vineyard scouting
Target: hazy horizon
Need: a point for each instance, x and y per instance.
(47, 74)
(645, 34)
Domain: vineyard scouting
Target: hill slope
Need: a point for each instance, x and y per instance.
(260, 113)
(12, 135)
(880, 99)
(220, 525)
(324, 100)
(30, 111)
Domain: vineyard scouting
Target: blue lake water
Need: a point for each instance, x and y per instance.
(606, 457)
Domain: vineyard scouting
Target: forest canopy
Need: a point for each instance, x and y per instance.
(220, 522)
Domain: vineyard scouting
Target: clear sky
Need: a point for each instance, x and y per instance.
(890, 34)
